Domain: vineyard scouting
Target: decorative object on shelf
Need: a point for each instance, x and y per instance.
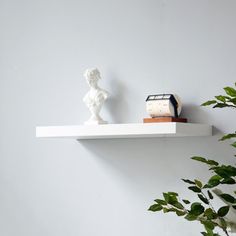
(162, 105)
(204, 210)
(95, 97)
(164, 119)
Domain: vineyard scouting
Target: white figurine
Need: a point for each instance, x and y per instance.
(95, 97)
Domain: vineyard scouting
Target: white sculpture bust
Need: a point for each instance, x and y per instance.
(95, 97)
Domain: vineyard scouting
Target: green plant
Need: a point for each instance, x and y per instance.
(203, 210)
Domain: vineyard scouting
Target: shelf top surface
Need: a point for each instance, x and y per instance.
(132, 130)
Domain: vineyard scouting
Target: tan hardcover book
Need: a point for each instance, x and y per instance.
(164, 119)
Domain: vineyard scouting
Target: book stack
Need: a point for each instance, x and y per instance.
(164, 119)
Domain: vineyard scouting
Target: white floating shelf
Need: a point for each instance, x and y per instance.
(138, 130)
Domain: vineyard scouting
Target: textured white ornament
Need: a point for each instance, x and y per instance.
(95, 97)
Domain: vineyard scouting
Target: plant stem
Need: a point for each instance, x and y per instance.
(226, 232)
(213, 209)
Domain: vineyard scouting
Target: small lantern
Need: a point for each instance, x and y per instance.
(163, 105)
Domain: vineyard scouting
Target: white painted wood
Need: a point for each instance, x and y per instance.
(138, 130)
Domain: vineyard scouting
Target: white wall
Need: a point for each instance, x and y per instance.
(103, 188)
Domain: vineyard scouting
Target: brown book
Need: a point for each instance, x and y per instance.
(164, 119)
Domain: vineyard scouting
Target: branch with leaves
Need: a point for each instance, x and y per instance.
(203, 211)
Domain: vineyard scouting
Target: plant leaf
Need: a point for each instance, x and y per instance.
(188, 181)
(234, 144)
(228, 136)
(230, 91)
(170, 197)
(160, 201)
(186, 201)
(209, 194)
(223, 223)
(173, 193)
(210, 102)
(221, 98)
(203, 199)
(190, 217)
(213, 181)
(208, 224)
(221, 105)
(197, 209)
(228, 181)
(180, 213)
(166, 197)
(178, 205)
(210, 214)
(155, 207)
(225, 171)
(223, 211)
(195, 189)
(198, 183)
(204, 160)
(228, 198)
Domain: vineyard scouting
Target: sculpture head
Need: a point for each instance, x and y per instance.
(92, 76)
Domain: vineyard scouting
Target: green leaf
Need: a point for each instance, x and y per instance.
(204, 160)
(188, 181)
(178, 205)
(165, 210)
(160, 201)
(201, 159)
(225, 171)
(221, 171)
(230, 91)
(209, 194)
(228, 136)
(173, 194)
(213, 181)
(186, 201)
(155, 207)
(166, 197)
(221, 98)
(203, 199)
(234, 206)
(180, 213)
(170, 197)
(209, 231)
(204, 233)
(228, 181)
(221, 105)
(232, 100)
(198, 183)
(212, 163)
(223, 211)
(195, 189)
(208, 224)
(210, 214)
(234, 144)
(209, 234)
(197, 209)
(190, 217)
(223, 223)
(228, 198)
(210, 102)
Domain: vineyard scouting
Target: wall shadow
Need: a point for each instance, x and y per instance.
(149, 163)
